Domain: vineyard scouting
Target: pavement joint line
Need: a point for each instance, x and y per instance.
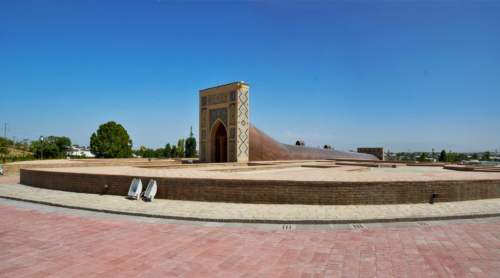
(261, 221)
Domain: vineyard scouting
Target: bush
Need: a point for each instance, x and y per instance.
(4, 144)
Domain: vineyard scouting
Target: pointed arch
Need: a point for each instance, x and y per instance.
(219, 142)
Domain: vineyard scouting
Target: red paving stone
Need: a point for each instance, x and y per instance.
(12, 179)
(40, 244)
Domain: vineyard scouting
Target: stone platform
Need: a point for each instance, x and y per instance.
(296, 182)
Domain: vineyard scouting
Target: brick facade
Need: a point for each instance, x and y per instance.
(276, 192)
(227, 105)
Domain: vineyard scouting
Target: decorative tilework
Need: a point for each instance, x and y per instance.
(203, 117)
(232, 114)
(220, 114)
(216, 99)
(229, 104)
(243, 127)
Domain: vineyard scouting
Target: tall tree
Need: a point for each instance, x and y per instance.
(180, 148)
(174, 152)
(167, 152)
(191, 145)
(63, 143)
(111, 141)
(443, 156)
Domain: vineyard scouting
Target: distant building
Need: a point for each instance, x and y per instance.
(77, 151)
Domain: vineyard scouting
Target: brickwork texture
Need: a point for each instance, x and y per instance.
(271, 191)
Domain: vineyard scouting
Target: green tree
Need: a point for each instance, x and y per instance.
(140, 152)
(63, 144)
(486, 156)
(4, 145)
(180, 148)
(51, 146)
(423, 157)
(191, 145)
(145, 152)
(173, 153)
(167, 152)
(475, 156)
(461, 157)
(410, 156)
(111, 141)
(160, 152)
(451, 157)
(443, 156)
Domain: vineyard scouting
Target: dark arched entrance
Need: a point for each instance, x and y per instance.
(220, 143)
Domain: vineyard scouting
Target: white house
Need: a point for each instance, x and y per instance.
(76, 151)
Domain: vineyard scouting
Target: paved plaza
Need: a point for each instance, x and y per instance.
(239, 212)
(57, 240)
(41, 241)
(13, 179)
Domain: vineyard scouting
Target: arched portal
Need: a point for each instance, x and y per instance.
(219, 141)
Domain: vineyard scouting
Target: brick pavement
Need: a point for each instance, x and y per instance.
(253, 212)
(11, 179)
(35, 243)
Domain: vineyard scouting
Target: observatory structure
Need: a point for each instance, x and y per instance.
(226, 134)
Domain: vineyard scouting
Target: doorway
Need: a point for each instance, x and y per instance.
(220, 141)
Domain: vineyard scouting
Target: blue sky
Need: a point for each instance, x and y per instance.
(406, 76)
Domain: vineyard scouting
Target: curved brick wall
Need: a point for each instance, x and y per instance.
(279, 192)
(265, 148)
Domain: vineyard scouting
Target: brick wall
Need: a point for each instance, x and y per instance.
(378, 152)
(279, 192)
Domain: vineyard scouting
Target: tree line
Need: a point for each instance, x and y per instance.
(51, 147)
(443, 156)
(184, 148)
(457, 157)
(111, 140)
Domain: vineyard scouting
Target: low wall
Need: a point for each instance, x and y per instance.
(272, 191)
(474, 168)
(15, 168)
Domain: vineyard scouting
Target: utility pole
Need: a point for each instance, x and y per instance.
(5, 130)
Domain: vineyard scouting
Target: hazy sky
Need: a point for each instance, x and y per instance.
(406, 76)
